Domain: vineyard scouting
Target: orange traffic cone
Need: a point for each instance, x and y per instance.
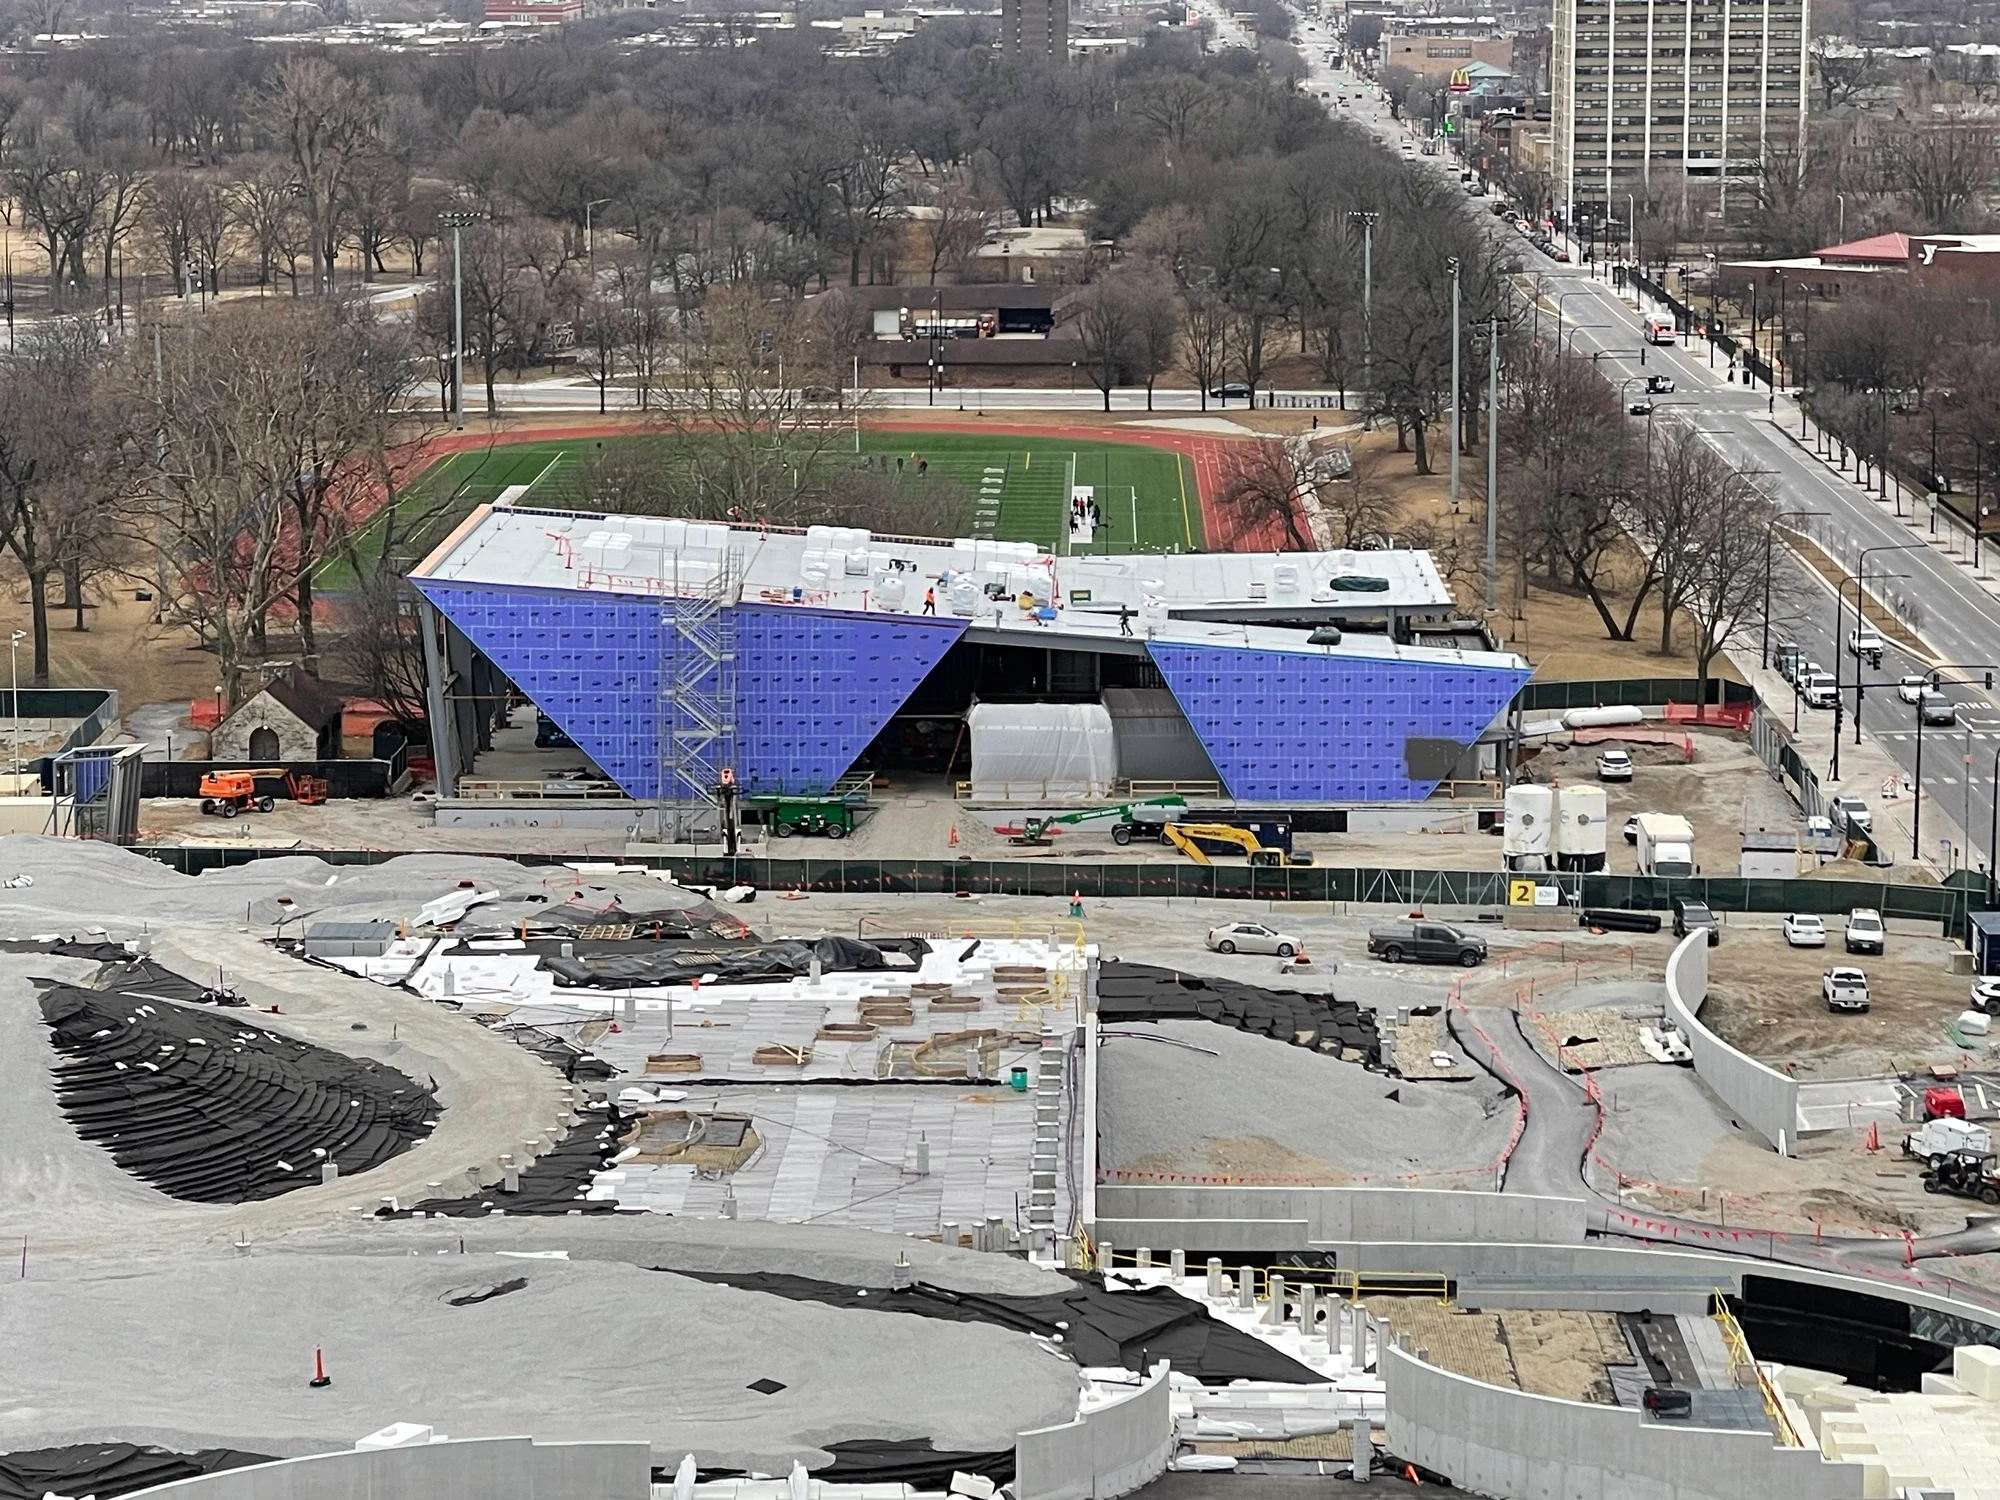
(1874, 1140)
(1300, 959)
(320, 1379)
(951, 842)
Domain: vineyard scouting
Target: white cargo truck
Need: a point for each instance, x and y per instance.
(1665, 843)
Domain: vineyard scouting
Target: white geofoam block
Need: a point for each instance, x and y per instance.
(1977, 1368)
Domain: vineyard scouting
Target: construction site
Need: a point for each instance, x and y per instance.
(1143, 1202)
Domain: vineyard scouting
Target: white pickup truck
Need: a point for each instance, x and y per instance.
(1866, 643)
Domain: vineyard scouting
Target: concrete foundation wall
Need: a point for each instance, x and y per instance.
(477, 1469)
(1292, 1218)
(1111, 1451)
(1762, 1098)
(1514, 1446)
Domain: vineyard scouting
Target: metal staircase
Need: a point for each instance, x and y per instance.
(697, 696)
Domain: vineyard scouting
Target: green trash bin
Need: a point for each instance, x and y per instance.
(1017, 1080)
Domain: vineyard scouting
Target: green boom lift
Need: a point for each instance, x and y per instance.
(1035, 831)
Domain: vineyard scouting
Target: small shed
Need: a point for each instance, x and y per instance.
(1982, 934)
(293, 717)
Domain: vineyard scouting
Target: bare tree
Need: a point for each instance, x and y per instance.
(322, 120)
(1261, 485)
(1204, 338)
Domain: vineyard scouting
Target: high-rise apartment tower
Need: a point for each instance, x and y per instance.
(1035, 28)
(1674, 93)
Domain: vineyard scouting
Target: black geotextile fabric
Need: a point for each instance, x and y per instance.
(911, 1461)
(1134, 1328)
(142, 979)
(576, 916)
(206, 1105)
(786, 959)
(564, 1056)
(554, 1183)
(1141, 992)
(107, 1469)
(99, 951)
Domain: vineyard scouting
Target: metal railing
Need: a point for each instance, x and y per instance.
(1740, 1356)
(1351, 1286)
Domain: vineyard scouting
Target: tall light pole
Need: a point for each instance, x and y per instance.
(1366, 219)
(14, 659)
(1454, 383)
(596, 309)
(455, 220)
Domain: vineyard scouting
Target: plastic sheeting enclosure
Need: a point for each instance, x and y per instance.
(1042, 750)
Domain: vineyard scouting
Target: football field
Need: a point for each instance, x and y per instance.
(1018, 489)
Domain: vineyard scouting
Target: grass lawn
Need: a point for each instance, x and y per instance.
(1020, 490)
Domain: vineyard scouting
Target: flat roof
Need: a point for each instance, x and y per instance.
(1189, 598)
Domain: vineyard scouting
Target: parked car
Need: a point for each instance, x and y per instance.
(1614, 765)
(1818, 688)
(1911, 689)
(1986, 994)
(1851, 811)
(1817, 828)
(1803, 930)
(1936, 710)
(1845, 989)
(1692, 916)
(1864, 932)
(1426, 943)
(1251, 937)
(1786, 659)
(1632, 829)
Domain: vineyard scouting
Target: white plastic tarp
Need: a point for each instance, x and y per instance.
(1034, 751)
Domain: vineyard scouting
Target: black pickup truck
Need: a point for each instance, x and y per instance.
(1426, 943)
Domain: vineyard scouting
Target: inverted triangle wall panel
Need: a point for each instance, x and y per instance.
(813, 687)
(1286, 726)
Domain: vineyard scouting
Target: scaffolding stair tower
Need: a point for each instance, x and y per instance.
(697, 695)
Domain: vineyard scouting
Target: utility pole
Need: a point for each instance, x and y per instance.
(1492, 461)
(1454, 384)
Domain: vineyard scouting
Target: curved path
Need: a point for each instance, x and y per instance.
(1562, 1123)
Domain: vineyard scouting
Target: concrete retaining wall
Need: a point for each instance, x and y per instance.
(1110, 1451)
(1515, 1446)
(477, 1469)
(1762, 1098)
(1222, 1218)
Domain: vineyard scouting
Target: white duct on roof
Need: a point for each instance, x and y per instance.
(1036, 751)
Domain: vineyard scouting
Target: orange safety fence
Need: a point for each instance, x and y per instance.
(1726, 716)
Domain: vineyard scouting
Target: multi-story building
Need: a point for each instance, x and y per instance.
(1035, 28)
(1674, 93)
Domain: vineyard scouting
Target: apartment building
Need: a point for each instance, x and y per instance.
(1673, 93)
(1035, 28)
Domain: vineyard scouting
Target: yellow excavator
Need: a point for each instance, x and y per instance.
(1183, 837)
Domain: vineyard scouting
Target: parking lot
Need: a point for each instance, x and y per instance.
(1764, 997)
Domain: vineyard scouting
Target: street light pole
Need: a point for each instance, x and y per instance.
(1492, 460)
(1840, 646)
(1366, 218)
(1454, 383)
(1770, 533)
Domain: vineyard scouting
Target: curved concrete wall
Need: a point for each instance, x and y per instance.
(514, 1468)
(1226, 1218)
(1108, 1451)
(1763, 1098)
(1516, 1446)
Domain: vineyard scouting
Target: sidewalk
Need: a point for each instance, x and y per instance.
(1867, 771)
